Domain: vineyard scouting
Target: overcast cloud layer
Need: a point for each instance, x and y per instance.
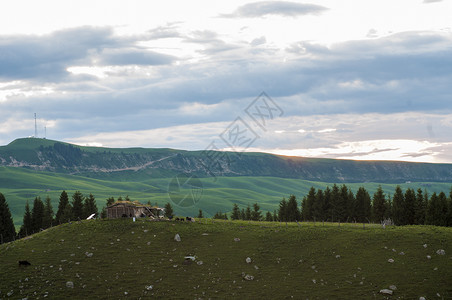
(349, 81)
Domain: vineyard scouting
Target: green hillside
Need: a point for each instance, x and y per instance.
(116, 259)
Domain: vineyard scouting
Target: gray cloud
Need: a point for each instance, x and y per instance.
(431, 1)
(125, 56)
(281, 8)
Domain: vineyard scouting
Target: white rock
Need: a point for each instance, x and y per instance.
(421, 298)
(199, 262)
(88, 254)
(392, 287)
(248, 277)
(429, 257)
(70, 284)
(248, 260)
(236, 239)
(338, 256)
(390, 260)
(425, 246)
(177, 237)
(149, 287)
(441, 252)
(402, 253)
(314, 281)
(386, 292)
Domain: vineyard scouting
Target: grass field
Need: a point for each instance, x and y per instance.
(19, 185)
(119, 259)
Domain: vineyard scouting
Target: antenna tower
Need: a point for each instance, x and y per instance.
(36, 128)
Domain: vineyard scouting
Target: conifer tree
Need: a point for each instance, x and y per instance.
(398, 207)
(442, 209)
(275, 216)
(248, 213)
(420, 208)
(326, 203)
(379, 205)
(268, 217)
(242, 214)
(200, 215)
(77, 205)
(89, 207)
(293, 213)
(63, 213)
(409, 206)
(335, 194)
(432, 208)
(449, 210)
(7, 229)
(363, 208)
(37, 215)
(282, 212)
(317, 206)
(168, 210)
(256, 214)
(352, 214)
(308, 207)
(235, 212)
(342, 204)
(27, 226)
(48, 213)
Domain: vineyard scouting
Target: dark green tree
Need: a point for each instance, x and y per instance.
(235, 212)
(293, 212)
(442, 210)
(409, 206)
(200, 215)
(449, 210)
(27, 225)
(256, 214)
(432, 210)
(379, 205)
(317, 206)
(248, 213)
(242, 214)
(308, 205)
(7, 229)
(268, 217)
(420, 208)
(48, 213)
(363, 208)
(169, 210)
(89, 207)
(77, 205)
(398, 207)
(352, 213)
(335, 195)
(326, 203)
(111, 200)
(63, 213)
(342, 204)
(275, 216)
(283, 211)
(37, 215)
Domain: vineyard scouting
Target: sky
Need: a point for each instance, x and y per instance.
(347, 79)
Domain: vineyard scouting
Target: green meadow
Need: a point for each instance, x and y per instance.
(121, 259)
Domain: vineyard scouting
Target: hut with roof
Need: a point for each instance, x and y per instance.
(129, 209)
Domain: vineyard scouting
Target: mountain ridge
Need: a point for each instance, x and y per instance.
(98, 162)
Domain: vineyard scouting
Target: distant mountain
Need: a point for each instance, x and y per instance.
(48, 155)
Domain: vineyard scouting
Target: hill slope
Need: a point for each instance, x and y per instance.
(134, 163)
(117, 259)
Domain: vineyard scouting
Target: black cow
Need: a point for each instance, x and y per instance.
(24, 263)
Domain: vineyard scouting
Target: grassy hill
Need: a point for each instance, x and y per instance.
(19, 185)
(116, 259)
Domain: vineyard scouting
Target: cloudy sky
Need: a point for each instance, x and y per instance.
(342, 79)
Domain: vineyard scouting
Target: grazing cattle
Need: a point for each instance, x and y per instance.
(177, 219)
(188, 219)
(24, 263)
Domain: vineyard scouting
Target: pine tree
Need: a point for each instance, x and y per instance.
(200, 215)
(283, 212)
(89, 206)
(379, 205)
(242, 214)
(398, 207)
(248, 213)
(363, 208)
(352, 214)
(256, 214)
(168, 210)
(77, 205)
(275, 216)
(432, 208)
(308, 207)
(268, 217)
(442, 209)
(342, 204)
(7, 229)
(27, 226)
(37, 215)
(409, 206)
(449, 210)
(48, 213)
(61, 215)
(317, 207)
(111, 200)
(419, 208)
(335, 195)
(293, 213)
(235, 212)
(326, 203)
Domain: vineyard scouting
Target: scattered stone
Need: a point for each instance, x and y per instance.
(392, 287)
(70, 284)
(88, 254)
(199, 263)
(429, 257)
(425, 245)
(402, 253)
(248, 260)
(126, 293)
(421, 298)
(390, 260)
(314, 281)
(248, 277)
(149, 287)
(435, 269)
(256, 267)
(236, 239)
(148, 243)
(338, 256)
(10, 293)
(441, 252)
(386, 291)
(205, 233)
(177, 237)
(394, 250)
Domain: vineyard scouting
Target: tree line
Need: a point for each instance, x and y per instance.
(340, 204)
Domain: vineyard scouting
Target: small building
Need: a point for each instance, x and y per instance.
(129, 209)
